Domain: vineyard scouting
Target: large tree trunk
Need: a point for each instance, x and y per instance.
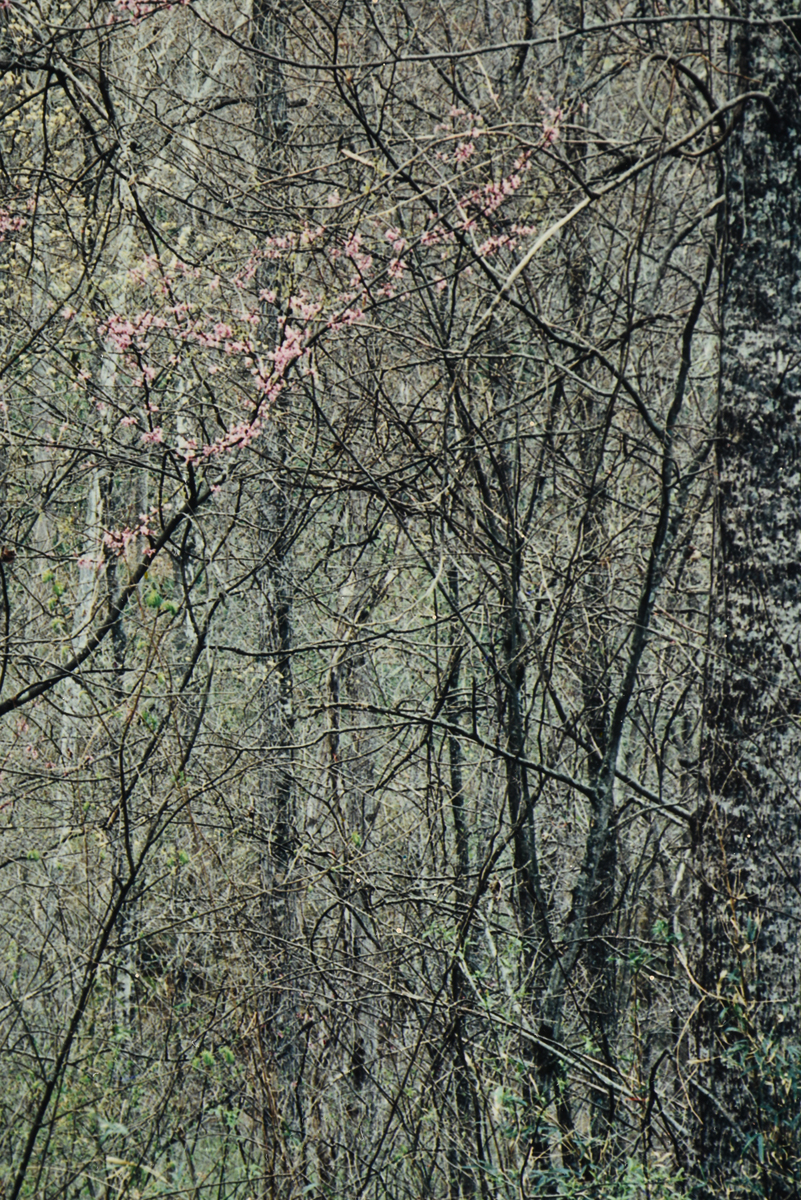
(752, 829)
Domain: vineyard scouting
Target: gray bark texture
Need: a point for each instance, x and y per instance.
(752, 833)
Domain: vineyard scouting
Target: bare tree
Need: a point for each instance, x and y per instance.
(370, 734)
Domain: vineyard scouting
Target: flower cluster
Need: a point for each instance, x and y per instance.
(117, 541)
(9, 224)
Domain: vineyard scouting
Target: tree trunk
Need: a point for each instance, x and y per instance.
(274, 538)
(752, 825)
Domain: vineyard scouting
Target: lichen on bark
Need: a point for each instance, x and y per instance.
(751, 822)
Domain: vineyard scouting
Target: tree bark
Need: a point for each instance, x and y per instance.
(751, 831)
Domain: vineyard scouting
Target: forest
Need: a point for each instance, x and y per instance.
(400, 599)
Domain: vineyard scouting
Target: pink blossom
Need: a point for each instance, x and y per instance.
(276, 247)
(493, 244)
(9, 224)
(352, 245)
(118, 540)
(154, 438)
(304, 309)
(351, 316)
(397, 239)
(82, 378)
(550, 125)
(240, 435)
(363, 262)
(188, 447)
(290, 349)
(309, 235)
(432, 237)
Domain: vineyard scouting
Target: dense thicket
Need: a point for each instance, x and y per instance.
(398, 615)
